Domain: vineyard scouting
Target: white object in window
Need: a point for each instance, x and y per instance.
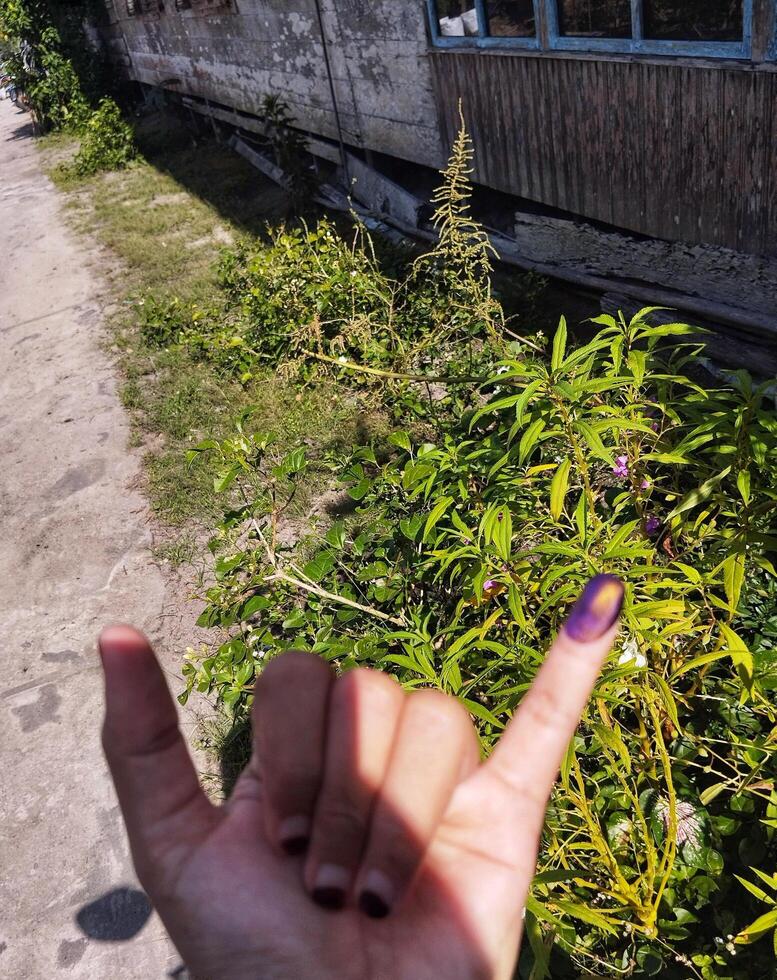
(451, 27)
(470, 21)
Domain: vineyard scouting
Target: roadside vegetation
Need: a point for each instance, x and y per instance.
(392, 458)
(392, 467)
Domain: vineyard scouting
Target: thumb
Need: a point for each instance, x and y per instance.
(164, 807)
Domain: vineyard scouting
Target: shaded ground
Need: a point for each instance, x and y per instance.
(74, 554)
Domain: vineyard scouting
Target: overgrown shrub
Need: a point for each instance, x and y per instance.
(311, 295)
(107, 141)
(461, 561)
(52, 61)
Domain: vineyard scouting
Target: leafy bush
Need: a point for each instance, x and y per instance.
(310, 295)
(462, 559)
(107, 141)
(469, 535)
(60, 72)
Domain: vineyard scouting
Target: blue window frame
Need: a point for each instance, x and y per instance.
(479, 33)
(483, 37)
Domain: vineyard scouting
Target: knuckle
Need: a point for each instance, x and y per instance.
(439, 711)
(340, 817)
(295, 784)
(540, 708)
(394, 847)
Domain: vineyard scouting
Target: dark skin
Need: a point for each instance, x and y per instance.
(365, 839)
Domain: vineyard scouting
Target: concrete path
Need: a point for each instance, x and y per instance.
(74, 554)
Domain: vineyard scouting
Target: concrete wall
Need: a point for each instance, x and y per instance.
(239, 54)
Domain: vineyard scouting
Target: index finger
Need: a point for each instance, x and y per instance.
(529, 753)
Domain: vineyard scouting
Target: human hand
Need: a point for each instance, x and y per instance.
(365, 839)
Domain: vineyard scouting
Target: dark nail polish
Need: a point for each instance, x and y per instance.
(596, 610)
(373, 905)
(295, 845)
(329, 898)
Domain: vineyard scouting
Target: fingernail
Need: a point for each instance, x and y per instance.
(596, 610)
(376, 896)
(330, 886)
(294, 834)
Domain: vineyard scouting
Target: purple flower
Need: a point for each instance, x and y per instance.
(645, 484)
(621, 467)
(655, 426)
(490, 583)
(652, 525)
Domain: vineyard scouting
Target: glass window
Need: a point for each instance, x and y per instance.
(595, 18)
(457, 18)
(511, 18)
(693, 20)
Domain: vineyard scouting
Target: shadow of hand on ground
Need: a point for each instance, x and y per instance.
(119, 914)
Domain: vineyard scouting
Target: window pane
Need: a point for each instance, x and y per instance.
(457, 18)
(595, 18)
(693, 20)
(511, 18)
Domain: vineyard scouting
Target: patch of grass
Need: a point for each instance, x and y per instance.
(178, 551)
(165, 219)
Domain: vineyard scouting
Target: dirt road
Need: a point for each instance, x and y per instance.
(74, 554)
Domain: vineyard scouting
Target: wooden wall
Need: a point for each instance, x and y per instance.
(678, 151)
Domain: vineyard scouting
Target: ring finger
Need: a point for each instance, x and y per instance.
(364, 711)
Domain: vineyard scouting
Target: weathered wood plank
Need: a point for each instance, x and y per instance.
(673, 150)
(710, 272)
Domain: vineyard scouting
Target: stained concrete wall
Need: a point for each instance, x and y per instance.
(238, 55)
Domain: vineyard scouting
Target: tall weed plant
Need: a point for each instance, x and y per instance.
(468, 538)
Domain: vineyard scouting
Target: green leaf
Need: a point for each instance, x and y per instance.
(740, 655)
(257, 603)
(226, 478)
(400, 439)
(360, 490)
(559, 345)
(581, 517)
(529, 439)
(336, 535)
(437, 512)
(585, 914)
(594, 441)
(699, 495)
(705, 658)
(743, 485)
(541, 966)
(503, 533)
(480, 711)
(558, 489)
(666, 695)
(762, 925)
(320, 566)
(709, 794)
(759, 893)
(733, 577)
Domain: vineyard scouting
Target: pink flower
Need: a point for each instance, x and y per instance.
(490, 583)
(652, 525)
(645, 485)
(621, 467)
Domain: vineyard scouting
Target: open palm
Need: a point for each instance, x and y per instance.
(365, 839)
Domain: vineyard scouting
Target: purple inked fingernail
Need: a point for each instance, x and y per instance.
(596, 610)
(377, 895)
(294, 835)
(330, 887)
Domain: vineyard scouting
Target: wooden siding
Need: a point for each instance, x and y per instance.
(676, 151)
